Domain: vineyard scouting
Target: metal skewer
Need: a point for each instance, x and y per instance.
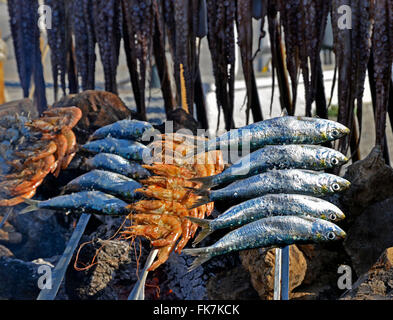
(61, 267)
(277, 275)
(5, 217)
(281, 274)
(138, 292)
(285, 273)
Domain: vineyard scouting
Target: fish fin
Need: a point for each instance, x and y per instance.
(284, 112)
(204, 197)
(33, 206)
(207, 182)
(201, 254)
(206, 230)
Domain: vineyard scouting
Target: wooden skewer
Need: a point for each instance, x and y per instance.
(183, 90)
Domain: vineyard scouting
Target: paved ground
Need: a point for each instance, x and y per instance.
(155, 105)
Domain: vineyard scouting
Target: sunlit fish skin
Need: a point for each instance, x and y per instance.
(309, 157)
(128, 149)
(117, 164)
(105, 181)
(293, 181)
(86, 201)
(280, 130)
(267, 206)
(125, 129)
(270, 232)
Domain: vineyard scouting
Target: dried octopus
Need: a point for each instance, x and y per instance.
(221, 18)
(382, 51)
(304, 24)
(244, 27)
(138, 19)
(26, 37)
(85, 42)
(60, 43)
(107, 19)
(50, 148)
(163, 221)
(352, 48)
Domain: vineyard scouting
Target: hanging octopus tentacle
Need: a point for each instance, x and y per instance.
(107, 21)
(160, 57)
(244, 26)
(138, 29)
(352, 49)
(85, 42)
(221, 17)
(383, 58)
(26, 37)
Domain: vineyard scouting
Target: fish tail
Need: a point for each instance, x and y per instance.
(206, 229)
(204, 197)
(202, 255)
(33, 206)
(207, 182)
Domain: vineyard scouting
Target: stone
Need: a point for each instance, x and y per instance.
(260, 264)
(234, 284)
(371, 181)
(24, 106)
(99, 109)
(321, 274)
(44, 236)
(113, 264)
(370, 235)
(5, 252)
(8, 234)
(18, 279)
(180, 120)
(377, 283)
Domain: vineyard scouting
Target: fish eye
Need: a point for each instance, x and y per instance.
(335, 133)
(336, 187)
(331, 235)
(332, 217)
(335, 161)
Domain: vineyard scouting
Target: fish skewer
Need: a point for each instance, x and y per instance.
(278, 181)
(269, 232)
(276, 157)
(267, 206)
